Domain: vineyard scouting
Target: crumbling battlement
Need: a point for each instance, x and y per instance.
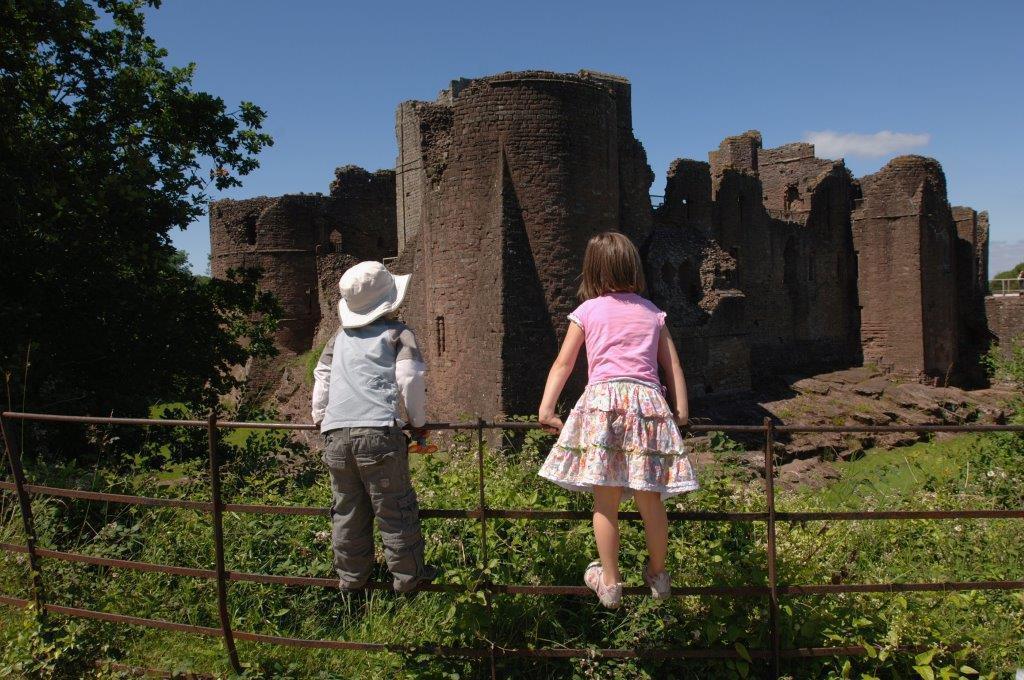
(783, 216)
(282, 236)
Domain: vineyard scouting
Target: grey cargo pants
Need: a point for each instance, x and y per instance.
(369, 469)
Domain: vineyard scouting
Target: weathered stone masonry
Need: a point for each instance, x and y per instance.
(769, 262)
(283, 236)
(503, 190)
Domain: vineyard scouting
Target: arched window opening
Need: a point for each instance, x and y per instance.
(667, 274)
(791, 198)
(441, 343)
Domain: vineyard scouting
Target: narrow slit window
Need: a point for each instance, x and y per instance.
(439, 333)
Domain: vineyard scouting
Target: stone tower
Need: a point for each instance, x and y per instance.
(501, 182)
(905, 238)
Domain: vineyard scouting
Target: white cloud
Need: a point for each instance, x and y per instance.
(831, 144)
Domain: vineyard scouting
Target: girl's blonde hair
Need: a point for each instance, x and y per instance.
(611, 265)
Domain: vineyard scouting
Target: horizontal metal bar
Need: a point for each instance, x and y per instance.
(516, 589)
(501, 588)
(899, 514)
(14, 601)
(132, 620)
(321, 582)
(949, 586)
(37, 489)
(13, 547)
(511, 425)
(631, 516)
(126, 564)
(572, 653)
(314, 581)
(93, 420)
(259, 425)
(852, 650)
(796, 429)
(499, 513)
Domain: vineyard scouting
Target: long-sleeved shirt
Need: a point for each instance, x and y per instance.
(361, 374)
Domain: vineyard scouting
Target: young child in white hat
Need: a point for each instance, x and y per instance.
(363, 370)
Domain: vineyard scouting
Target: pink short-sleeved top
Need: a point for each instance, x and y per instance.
(621, 332)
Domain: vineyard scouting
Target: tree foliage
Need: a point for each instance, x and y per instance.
(104, 150)
(1011, 273)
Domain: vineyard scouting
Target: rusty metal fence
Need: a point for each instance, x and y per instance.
(222, 576)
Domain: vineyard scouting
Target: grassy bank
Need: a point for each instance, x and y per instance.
(969, 471)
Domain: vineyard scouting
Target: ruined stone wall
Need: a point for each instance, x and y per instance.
(691, 278)
(972, 285)
(939, 281)
(903, 233)
(635, 175)
(741, 226)
(1006, 320)
(278, 236)
(981, 250)
(423, 131)
(783, 215)
(687, 203)
(809, 201)
(972, 251)
(282, 236)
(363, 213)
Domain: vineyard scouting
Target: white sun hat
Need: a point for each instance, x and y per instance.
(368, 292)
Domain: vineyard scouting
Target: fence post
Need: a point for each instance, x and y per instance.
(483, 542)
(218, 544)
(769, 489)
(28, 523)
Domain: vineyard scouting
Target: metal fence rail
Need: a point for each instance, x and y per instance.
(482, 514)
(1006, 286)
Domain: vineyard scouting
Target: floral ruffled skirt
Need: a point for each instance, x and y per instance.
(621, 433)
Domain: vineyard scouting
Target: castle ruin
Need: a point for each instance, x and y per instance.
(770, 262)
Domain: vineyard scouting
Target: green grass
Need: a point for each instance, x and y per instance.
(308, 361)
(883, 476)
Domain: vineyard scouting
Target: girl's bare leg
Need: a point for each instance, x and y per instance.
(606, 530)
(652, 509)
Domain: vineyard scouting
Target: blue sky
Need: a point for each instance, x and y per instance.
(872, 79)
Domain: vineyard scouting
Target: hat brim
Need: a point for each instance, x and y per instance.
(350, 319)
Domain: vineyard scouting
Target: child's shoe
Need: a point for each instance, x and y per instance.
(660, 585)
(610, 596)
